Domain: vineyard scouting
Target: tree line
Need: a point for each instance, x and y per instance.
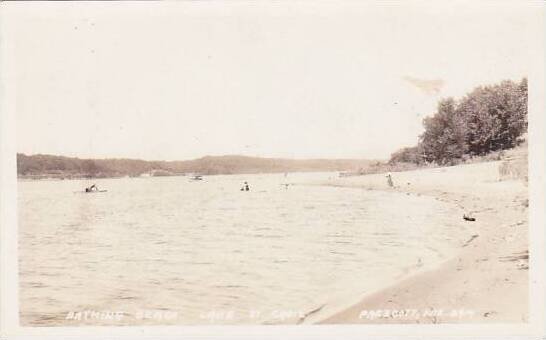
(30, 166)
(490, 118)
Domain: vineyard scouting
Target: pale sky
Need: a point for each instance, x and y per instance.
(167, 81)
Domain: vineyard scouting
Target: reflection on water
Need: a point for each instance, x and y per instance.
(200, 247)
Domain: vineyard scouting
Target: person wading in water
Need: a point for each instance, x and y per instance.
(245, 187)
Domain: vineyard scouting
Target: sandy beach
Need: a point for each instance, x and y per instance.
(487, 281)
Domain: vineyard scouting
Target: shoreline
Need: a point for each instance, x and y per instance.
(486, 281)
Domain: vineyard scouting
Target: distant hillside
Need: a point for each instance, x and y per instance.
(49, 166)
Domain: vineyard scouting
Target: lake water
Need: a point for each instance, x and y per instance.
(167, 250)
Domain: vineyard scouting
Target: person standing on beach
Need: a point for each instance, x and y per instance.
(389, 180)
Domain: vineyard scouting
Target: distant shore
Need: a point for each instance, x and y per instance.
(60, 167)
(487, 281)
(49, 177)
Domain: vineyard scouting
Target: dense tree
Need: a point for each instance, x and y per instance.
(496, 116)
(445, 134)
(489, 118)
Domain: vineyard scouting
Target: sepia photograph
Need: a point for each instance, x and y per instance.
(275, 165)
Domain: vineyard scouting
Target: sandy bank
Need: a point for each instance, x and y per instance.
(487, 281)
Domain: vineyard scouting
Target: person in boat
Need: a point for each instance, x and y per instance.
(92, 188)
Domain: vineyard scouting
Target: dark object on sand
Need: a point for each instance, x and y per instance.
(468, 218)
